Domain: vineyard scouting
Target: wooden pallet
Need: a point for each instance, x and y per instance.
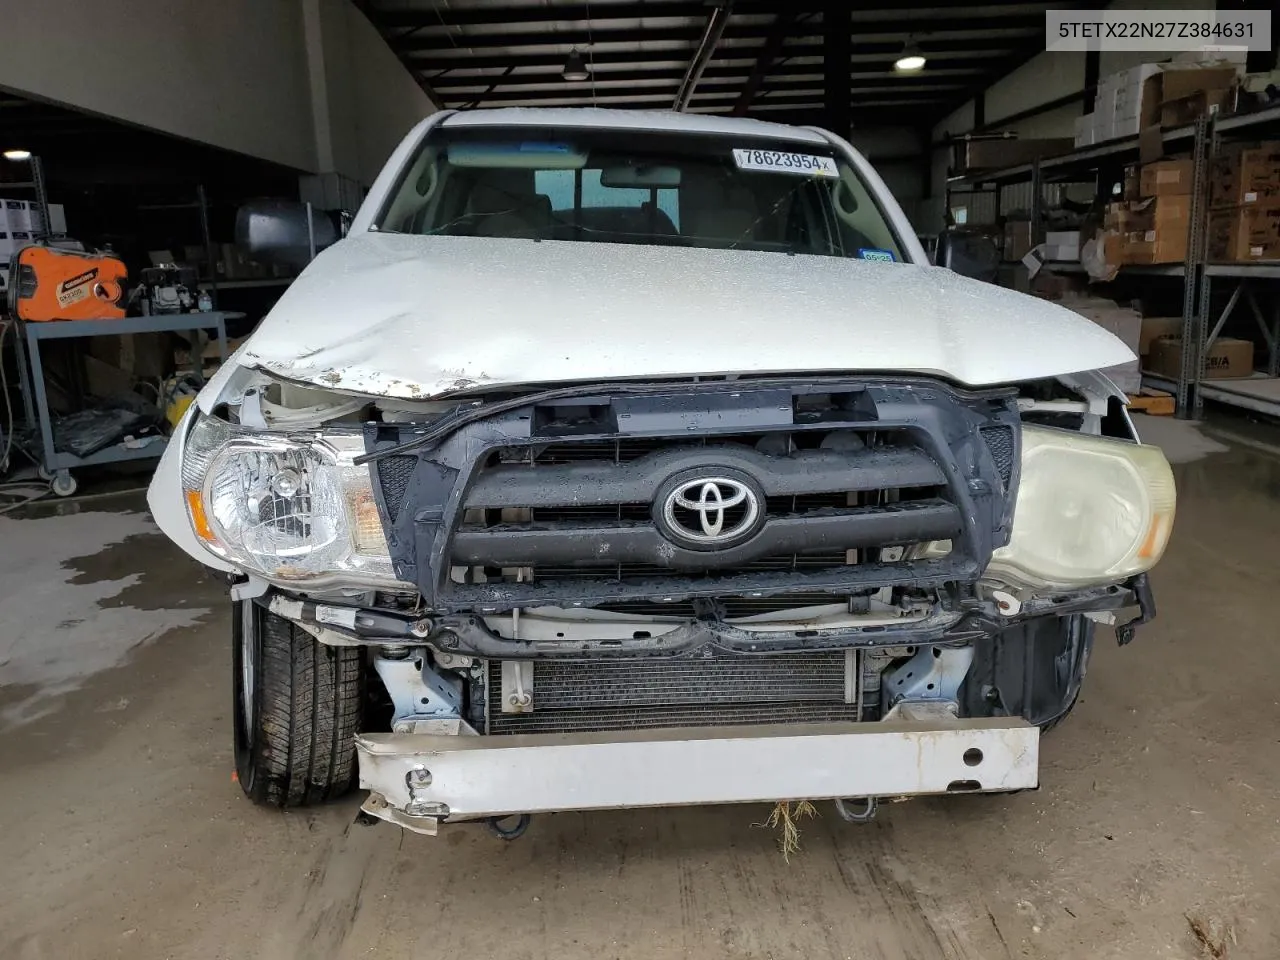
(1154, 403)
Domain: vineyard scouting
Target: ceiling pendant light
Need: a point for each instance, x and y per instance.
(912, 60)
(574, 69)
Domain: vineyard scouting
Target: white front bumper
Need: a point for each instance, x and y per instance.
(418, 779)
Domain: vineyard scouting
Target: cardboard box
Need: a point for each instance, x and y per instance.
(1154, 246)
(1128, 93)
(1062, 238)
(1168, 215)
(57, 219)
(1186, 94)
(20, 216)
(1017, 239)
(1153, 328)
(1084, 131)
(1155, 230)
(1179, 84)
(1133, 182)
(1116, 217)
(1166, 178)
(15, 216)
(1052, 285)
(1123, 127)
(1243, 234)
(1227, 358)
(1179, 113)
(1246, 175)
(11, 243)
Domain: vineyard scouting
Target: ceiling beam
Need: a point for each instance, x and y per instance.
(440, 15)
(443, 59)
(941, 91)
(765, 60)
(971, 28)
(707, 101)
(436, 14)
(451, 86)
(877, 87)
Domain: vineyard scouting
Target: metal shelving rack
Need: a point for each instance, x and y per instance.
(1260, 393)
(57, 464)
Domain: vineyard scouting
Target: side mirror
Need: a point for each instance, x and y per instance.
(971, 254)
(282, 232)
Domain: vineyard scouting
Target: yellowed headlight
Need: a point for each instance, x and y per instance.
(1089, 510)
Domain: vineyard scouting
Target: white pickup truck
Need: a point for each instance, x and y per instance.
(628, 459)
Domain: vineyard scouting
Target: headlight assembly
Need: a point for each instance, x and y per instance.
(1089, 510)
(291, 508)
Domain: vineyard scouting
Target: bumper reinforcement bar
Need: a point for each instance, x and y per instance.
(418, 780)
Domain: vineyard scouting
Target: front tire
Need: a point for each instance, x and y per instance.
(297, 708)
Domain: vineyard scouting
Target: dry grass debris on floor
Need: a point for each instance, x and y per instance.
(1212, 936)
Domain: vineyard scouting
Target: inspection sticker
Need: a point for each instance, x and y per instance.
(870, 253)
(774, 161)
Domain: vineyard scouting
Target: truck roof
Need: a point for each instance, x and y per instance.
(665, 120)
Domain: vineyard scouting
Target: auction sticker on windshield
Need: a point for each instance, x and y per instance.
(774, 161)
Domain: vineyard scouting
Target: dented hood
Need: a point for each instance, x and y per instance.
(424, 316)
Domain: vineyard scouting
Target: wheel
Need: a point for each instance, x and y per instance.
(297, 707)
(64, 484)
(44, 473)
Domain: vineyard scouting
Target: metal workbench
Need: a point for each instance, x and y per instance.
(58, 465)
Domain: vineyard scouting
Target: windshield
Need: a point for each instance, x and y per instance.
(614, 186)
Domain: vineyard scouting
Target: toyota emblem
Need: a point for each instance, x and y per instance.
(710, 512)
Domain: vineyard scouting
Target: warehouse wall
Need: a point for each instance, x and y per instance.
(235, 74)
(390, 100)
(364, 100)
(231, 74)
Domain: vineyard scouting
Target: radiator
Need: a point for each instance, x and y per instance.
(634, 694)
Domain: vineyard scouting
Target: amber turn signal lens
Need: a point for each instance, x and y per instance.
(199, 522)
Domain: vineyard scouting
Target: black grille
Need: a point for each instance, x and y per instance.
(584, 511)
(629, 571)
(588, 695)
(598, 511)
(620, 450)
(999, 440)
(394, 474)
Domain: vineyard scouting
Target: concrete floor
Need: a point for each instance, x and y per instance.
(124, 836)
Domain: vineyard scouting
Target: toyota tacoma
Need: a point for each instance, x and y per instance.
(623, 459)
